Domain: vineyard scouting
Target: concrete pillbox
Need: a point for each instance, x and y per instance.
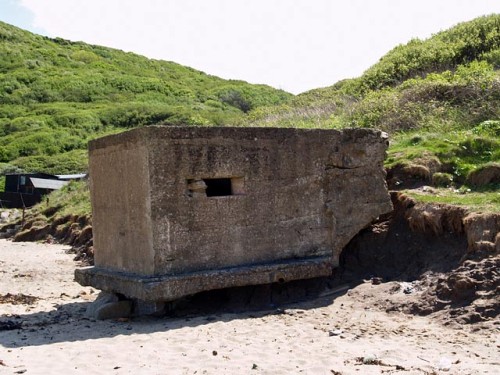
(179, 210)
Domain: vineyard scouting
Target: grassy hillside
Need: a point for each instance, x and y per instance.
(438, 98)
(449, 79)
(55, 95)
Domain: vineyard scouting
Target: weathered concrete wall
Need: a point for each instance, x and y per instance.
(289, 196)
(121, 210)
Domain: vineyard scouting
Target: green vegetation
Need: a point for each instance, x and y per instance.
(56, 95)
(449, 81)
(459, 152)
(476, 201)
(439, 99)
(72, 199)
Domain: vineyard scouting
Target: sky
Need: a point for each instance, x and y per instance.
(294, 45)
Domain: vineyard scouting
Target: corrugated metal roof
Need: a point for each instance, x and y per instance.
(42, 183)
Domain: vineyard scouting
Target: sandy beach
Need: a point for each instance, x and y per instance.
(44, 330)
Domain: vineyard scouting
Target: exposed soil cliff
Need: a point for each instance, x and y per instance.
(430, 259)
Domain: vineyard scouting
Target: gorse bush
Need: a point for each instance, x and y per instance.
(467, 42)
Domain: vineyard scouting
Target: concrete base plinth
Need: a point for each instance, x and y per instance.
(171, 287)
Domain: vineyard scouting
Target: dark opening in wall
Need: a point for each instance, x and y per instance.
(217, 187)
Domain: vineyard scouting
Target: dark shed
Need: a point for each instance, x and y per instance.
(27, 189)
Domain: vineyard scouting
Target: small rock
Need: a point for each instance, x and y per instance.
(444, 364)
(369, 359)
(108, 306)
(214, 352)
(335, 332)
(408, 290)
(428, 189)
(293, 312)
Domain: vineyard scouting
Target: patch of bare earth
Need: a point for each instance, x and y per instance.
(430, 260)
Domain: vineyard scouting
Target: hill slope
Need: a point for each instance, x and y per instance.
(456, 68)
(438, 98)
(55, 95)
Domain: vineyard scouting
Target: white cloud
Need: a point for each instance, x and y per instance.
(292, 44)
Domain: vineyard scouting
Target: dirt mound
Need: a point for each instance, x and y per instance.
(403, 176)
(474, 286)
(489, 174)
(430, 259)
(424, 171)
(483, 232)
(419, 171)
(466, 294)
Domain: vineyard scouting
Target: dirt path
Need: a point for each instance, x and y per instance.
(43, 330)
